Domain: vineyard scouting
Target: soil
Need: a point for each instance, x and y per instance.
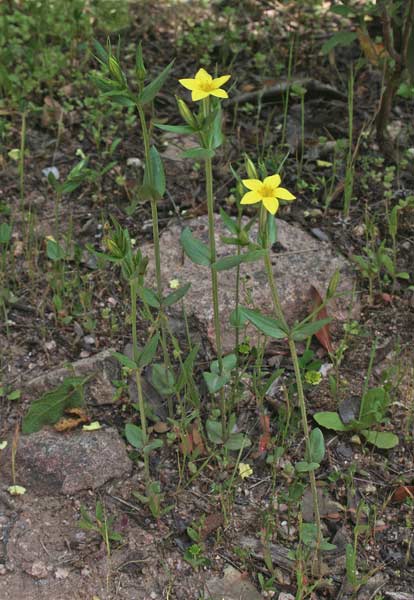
(43, 551)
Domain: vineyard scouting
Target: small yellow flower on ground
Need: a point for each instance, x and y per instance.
(16, 490)
(174, 284)
(245, 470)
(203, 85)
(267, 191)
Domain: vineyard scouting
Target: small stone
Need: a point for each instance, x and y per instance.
(38, 570)
(89, 340)
(285, 596)
(51, 345)
(3, 570)
(61, 573)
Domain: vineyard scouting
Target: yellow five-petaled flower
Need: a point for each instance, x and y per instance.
(267, 191)
(203, 85)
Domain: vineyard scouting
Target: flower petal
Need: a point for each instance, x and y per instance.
(219, 93)
(273, 181)
(271, 204)
(203, 76)
(284, 194)
(199, 95)
(250, 198)
(190, 84)
(221, 81)
(252, 184)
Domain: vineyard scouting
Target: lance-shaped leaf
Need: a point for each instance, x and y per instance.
(151, 90)
(196, 251)
(176, 296)
(148, 352)
(302, 331)
(270, 327)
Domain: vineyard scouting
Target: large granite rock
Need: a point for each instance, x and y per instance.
(49, 462)
(299, 262)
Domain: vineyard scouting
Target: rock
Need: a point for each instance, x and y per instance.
(38, 570)
(285, 596)
(49, 462)
(233, 586)
(373, 585)
(99, 389)
(299, 260)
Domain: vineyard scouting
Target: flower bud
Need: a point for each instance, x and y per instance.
(250, 168)
(140, 69)
(115, 70)
(186, 113)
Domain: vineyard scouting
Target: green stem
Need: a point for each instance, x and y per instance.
(214, 279)
(21, 158)
(141, 402)
(301, 396)
(156, 239)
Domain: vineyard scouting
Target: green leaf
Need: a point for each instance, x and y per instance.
(316, 446)
(49, 408)
(182, 129)
(267, 325)
(342, 38)
(215, 382)
(187, 368)
(119, 97)
(271, 229)
(237, 441)
(237, 318)
(5, 233)
(198, 153)
(374, 405)
(305, 467)
(381, 439)
(217, 136)
(176, 295)
(158, 174)
(214, 431)
(153, 446)
(54, 251)
(229, 223)
(149, 297)
(410, 56)
(330, 420)
(134, 436)
(101, 53)
(125, 360)
(163, 380)
(196, 251)
(229, 363)
(302, 331)
(148, 352)
(228, 262)
(151, 90)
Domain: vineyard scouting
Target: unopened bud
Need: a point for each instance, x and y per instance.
(250, 168)
(113, 248)
(186, 114)
(140, 69)
(115, 70)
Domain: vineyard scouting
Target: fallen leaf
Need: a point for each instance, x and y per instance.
(402, 493)
(265, 437)
(3, 445)
(374, 53)
(211, 523)
(76, 417)
(323, 335)
(161, 427)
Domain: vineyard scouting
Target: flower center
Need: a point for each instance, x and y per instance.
(207, 86)
(267, 191)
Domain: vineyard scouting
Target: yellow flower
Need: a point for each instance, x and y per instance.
(267, 191)
(174, 284)
(245, 470)
(204, 85)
